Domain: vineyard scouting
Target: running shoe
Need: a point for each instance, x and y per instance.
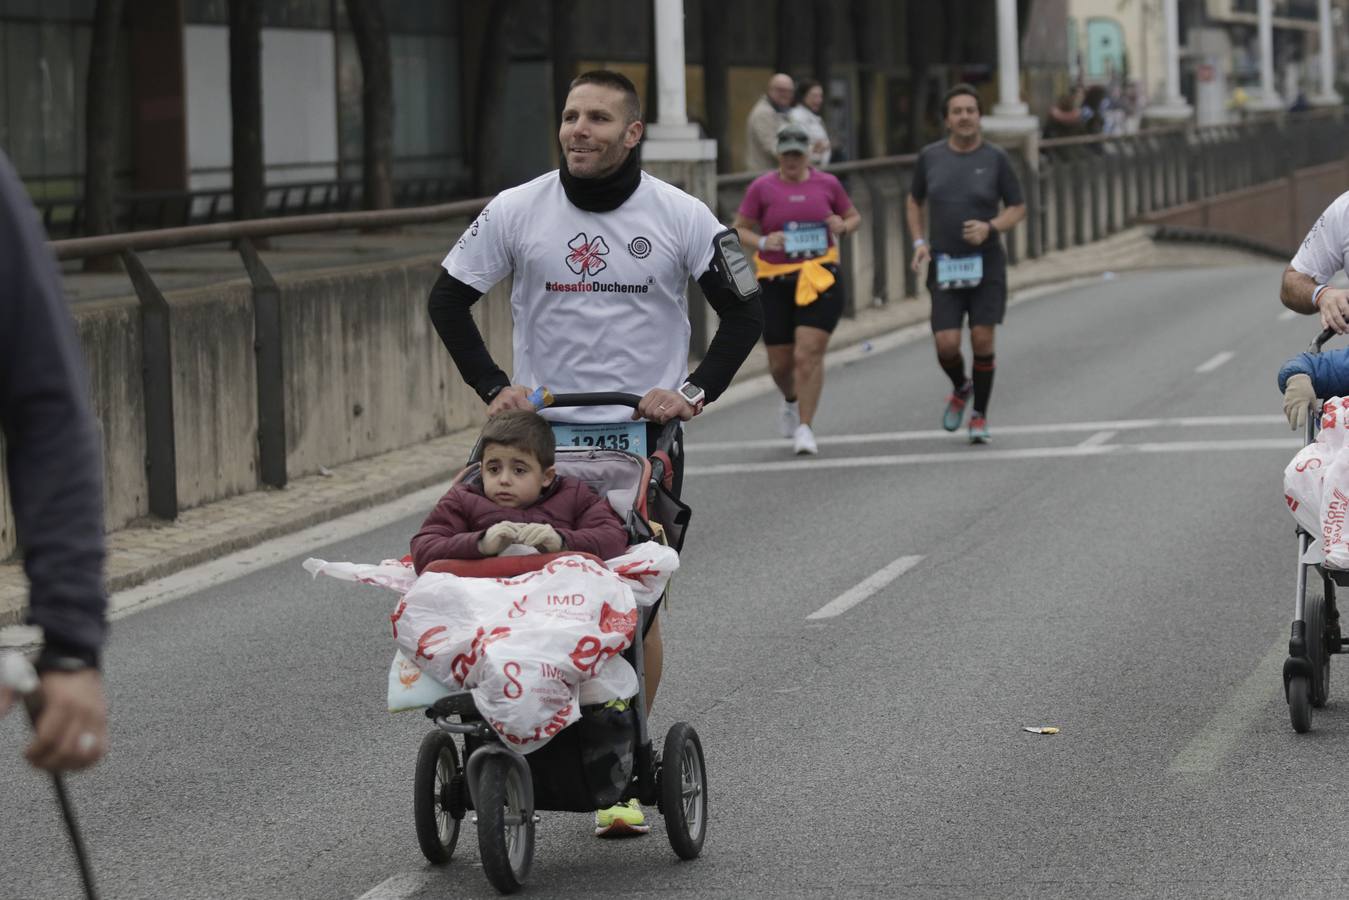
(789, 418)
(955, 407)
(979, 429)
(623, 820)
(805, 441)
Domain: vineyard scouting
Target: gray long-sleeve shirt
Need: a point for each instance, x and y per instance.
(52, 456)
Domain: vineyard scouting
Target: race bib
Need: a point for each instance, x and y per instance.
(805, 238)
(954, 272)
(627, 436)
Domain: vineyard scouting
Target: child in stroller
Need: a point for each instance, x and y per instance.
(521, 501)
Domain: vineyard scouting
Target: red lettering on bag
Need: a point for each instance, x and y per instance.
(428, 638)
(1311, 463)
(398, 614)
(461, 664)
(518, 608)
(614, 622)
(632, 570)
(511, 680)
(590, 652)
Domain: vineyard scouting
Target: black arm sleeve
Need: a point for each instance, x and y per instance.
(449, 307)
(55, 470)
(741, 323)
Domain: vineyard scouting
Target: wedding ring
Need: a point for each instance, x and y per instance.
(87, 741)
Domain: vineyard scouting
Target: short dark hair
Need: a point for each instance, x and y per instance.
(962, 89)
(520, 429)
(804, 86)
(617, 81)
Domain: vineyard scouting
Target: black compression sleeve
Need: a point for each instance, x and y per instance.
(450, 308)
(741, 323)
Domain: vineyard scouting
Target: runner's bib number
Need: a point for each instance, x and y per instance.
(626, 436)
(805, 239)
(955, 272)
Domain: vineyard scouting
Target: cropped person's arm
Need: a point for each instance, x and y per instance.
(1009, 218)
(54, 462)
(738, 329)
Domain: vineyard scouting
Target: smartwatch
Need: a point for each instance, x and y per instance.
(492, 393)
(694, 395)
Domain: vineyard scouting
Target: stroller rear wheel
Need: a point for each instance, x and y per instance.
(1317, 650)
(505, 827)
(438, 804)
(683, 790)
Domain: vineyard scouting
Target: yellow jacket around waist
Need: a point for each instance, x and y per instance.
(814, 279)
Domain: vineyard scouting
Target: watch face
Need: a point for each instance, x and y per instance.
(692, 393)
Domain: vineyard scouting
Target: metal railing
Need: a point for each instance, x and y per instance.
(1081, 189)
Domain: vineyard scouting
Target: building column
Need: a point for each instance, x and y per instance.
(1327, 95)
(1173, 107)
(1011, 117)
(674, 149)
(1269, 99)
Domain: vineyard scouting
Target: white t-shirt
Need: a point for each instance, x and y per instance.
(1326, 247)
(815, 130)
(599, 300)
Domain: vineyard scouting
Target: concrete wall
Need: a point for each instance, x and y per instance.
(1277, 214)
(365, 373)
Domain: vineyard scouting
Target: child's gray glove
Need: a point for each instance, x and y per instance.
(498, 538)
(539, 535)
(1297, 395)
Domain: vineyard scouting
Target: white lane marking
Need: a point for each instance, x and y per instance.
(1287, 314)
(1207, 749)
(1098, 439)
(1218, 359)
(886, 437)
(399, 887)
(971, 455)
(855, 595)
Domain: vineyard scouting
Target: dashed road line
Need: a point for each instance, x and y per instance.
(399, 887)
(1098, 439)
(1218, 359)
(1206, 750)
(855, 595)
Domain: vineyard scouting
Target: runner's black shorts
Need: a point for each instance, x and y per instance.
(782, 316)
(985, 304)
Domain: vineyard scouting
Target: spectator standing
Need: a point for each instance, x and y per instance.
(768, 115)
(806, 113)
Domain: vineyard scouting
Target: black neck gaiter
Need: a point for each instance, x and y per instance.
(606, 193)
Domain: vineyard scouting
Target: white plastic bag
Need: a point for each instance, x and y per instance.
(531, 648)
(1302, 481)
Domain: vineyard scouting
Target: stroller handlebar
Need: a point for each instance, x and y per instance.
(1321, 340)
(598, 398)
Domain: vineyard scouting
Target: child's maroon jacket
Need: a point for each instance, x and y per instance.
(585, 521)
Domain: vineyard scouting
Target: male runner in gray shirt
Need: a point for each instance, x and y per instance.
(966, 181)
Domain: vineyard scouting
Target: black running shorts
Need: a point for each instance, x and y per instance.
(985, 304)
(782, 316)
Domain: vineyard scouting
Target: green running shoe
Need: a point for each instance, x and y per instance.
(623, 820)
(955, 407)
(979, 429)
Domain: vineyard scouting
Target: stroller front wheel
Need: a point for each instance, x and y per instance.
(505, 826)
(438, 804)
(1300, 703)
(683, 790)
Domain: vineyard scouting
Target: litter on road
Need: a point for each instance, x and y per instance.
(1040, 729)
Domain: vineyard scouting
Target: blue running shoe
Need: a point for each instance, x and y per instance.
(955, 407)
(979, 429)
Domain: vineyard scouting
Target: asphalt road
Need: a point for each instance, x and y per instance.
(1118, 563)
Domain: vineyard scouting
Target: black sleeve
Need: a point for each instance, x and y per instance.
(450, 308)
(55, 470)
(741, 323)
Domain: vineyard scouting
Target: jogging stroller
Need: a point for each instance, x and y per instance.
(607, 756)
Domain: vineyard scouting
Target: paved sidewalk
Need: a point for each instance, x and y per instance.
(137, 555)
